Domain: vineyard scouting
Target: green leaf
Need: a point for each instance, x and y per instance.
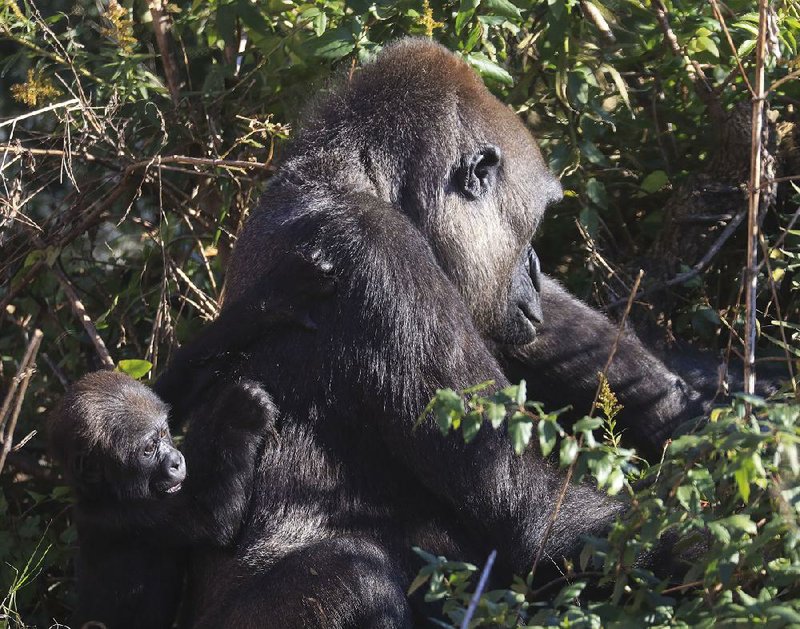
(470, 425)
(655, 181)
(742, 476)
(448, 408)
(592, 153)
(547, 436)
(596, 192)
(465, 12)
(616, 482)
(334, 44)
(569, 593)
(602, 470)
(488, 68)
(502, 7)
(739, 522)
(134, 367)
(587, 424)
(495, 413)
(784, 612)
(569, 451)
(520, 429)
(522, 393)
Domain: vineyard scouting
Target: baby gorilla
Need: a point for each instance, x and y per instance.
(136, 505)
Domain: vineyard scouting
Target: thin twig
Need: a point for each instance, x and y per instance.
(160, 23)
(473, 602)
(80, 312)
(17, 390)
(568, 478)
(146, 163)
(697, 269)
(754, 202)
(693, 69)
(721, 20)
(31, 114)
(784, 79)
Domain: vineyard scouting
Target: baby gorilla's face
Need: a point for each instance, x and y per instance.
(161, 466)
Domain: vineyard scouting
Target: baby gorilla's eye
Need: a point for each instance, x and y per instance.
(150, 449)
(163, 433)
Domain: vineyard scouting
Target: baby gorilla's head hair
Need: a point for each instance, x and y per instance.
(110, 434)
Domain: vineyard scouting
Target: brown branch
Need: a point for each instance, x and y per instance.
(161, 24)
(80, 312)
(22, 283)
(697, 269)
(571, 470)
(721, 20)
(754, 203)
(593, 14)
(17, 390)
(153, 161)
(693, 69)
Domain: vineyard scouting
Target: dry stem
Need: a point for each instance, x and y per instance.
(80, 311)
(571, 469)
(754, 202)
(17, 390)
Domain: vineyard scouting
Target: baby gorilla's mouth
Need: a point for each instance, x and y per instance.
(174, 489)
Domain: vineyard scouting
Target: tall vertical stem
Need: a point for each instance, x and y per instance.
(754, 201)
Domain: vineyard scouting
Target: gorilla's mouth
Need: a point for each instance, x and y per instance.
(530, 313)
(524, 310)
(168, 487)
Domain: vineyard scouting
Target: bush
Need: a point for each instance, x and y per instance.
(727, 490)
(136, 139)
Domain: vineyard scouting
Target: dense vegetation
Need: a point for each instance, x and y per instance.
(135, 135)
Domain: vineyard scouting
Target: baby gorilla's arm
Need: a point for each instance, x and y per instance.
(221, 451)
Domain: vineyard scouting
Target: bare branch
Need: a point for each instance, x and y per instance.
(160, 27)
(16, 391)
(754, 203)
(80, 312)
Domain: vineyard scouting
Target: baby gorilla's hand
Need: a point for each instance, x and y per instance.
(250, 407)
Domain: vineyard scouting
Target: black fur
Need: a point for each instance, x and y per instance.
(423, 192)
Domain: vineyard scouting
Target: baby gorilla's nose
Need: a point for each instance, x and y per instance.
(174, 467)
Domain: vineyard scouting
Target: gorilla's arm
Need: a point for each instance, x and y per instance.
(561, 367)
(287, 299)
(402, 324)
(221, 456)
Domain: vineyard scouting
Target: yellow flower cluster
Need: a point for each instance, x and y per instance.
(427, 20)
(607, 400)
(35, 90)
(119, 27)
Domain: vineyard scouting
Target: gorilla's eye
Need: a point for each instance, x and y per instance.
(162, 434)
(150, 449)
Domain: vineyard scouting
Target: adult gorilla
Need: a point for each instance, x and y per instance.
(423, 192)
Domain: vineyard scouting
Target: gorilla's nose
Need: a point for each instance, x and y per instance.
(175, 466)
(535, 269)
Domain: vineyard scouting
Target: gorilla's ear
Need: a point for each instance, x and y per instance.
(478, 172)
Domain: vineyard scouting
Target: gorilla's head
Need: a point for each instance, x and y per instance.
(418, 129)
(110, 433)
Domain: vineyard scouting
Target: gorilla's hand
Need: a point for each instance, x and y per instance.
(300, 283)
(249, 407)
